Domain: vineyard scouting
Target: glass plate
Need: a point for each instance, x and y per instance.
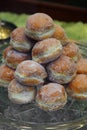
(29, 117)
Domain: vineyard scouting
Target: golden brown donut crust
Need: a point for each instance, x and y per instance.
(20, 94)
(63, 64)
(82, 66)
(39, 22)
(12, 56)
(51, 96)
(6, 73)
(50, 92)
(18, 34)
(46, 50)
(62, 70)
(30, 73)
(16, 87)
(6, 50)
(71, 50)
(28, 68)
(59, 33)
(78, 87)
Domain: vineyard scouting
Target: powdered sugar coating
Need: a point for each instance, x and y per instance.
(30, 73)
(20, 94)
(72, 50)
(6, 75)
(12, 57)
(39, 26)
(20, 41)
(39, 22)
(46, 50)
(51, 96)
(19, 35)
(62, 70)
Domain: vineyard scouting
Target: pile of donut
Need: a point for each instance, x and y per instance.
(43, 65)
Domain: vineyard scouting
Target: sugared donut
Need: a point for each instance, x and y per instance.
(20, 41)
(60, 34)
(19, 93)
(51, 97)
(62, 70)
(30, 73)
(12, 57)
(82, 66)
(6, 75)
(72, 50)
(46, 50)
(78, 87)
(39, 26)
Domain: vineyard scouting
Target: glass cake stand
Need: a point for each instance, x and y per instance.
(29, 117)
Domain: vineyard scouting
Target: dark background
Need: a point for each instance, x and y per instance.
(63, 10)
(78, 3)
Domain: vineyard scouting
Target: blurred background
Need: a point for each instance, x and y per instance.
(70, 14)
(65, 10)
(77, 3)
